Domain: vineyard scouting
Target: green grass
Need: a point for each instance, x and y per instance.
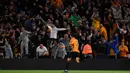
(60, 71)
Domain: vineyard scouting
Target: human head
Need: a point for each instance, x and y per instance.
(72, 35)
(116, 34)
(74, 14)
(83, 37)
(46, 9)
(65, 24)
(41, 46)
(66, 36)
(22, 29)
(76, 10)
(79, 22)
(49, 21)
(56, 21)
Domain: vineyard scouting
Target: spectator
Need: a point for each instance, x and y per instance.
(8, 50)
(53, 48)
(103, 32)
(24, 39)
(74, 19)
(82, 41)
(96, 23)
(123, 50)
(45, 18)
(112, 47)
(53, 32)
(127, 38)
(116, 8)
(41, 51)
(66, 41)
(57, 3)
(87, 51)
(61, 51)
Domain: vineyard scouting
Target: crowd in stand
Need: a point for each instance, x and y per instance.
(41, 28)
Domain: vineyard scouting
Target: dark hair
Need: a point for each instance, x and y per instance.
(73, 35)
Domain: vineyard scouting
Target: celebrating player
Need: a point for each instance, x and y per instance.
(75, 53)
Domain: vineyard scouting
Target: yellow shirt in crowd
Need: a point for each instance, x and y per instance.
(74, 45)
(103, 32)
(96, 24)
(56, 3)
(112, 53)
(87, 49)
(123, 50)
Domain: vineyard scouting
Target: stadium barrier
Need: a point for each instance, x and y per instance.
(51, 64)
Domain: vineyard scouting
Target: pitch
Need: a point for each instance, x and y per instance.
(60, 71)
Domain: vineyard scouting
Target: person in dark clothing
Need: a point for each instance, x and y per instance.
(82, 41)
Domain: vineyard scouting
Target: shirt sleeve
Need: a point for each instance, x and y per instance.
(72, 9)
(61, 29)
(37, 49)
(71, 42)
(45, 49)
(121, 30)
(27, 32)
(126, 49)
(49, 27)
(125, 31)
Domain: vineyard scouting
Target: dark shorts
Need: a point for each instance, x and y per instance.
(74, 55)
